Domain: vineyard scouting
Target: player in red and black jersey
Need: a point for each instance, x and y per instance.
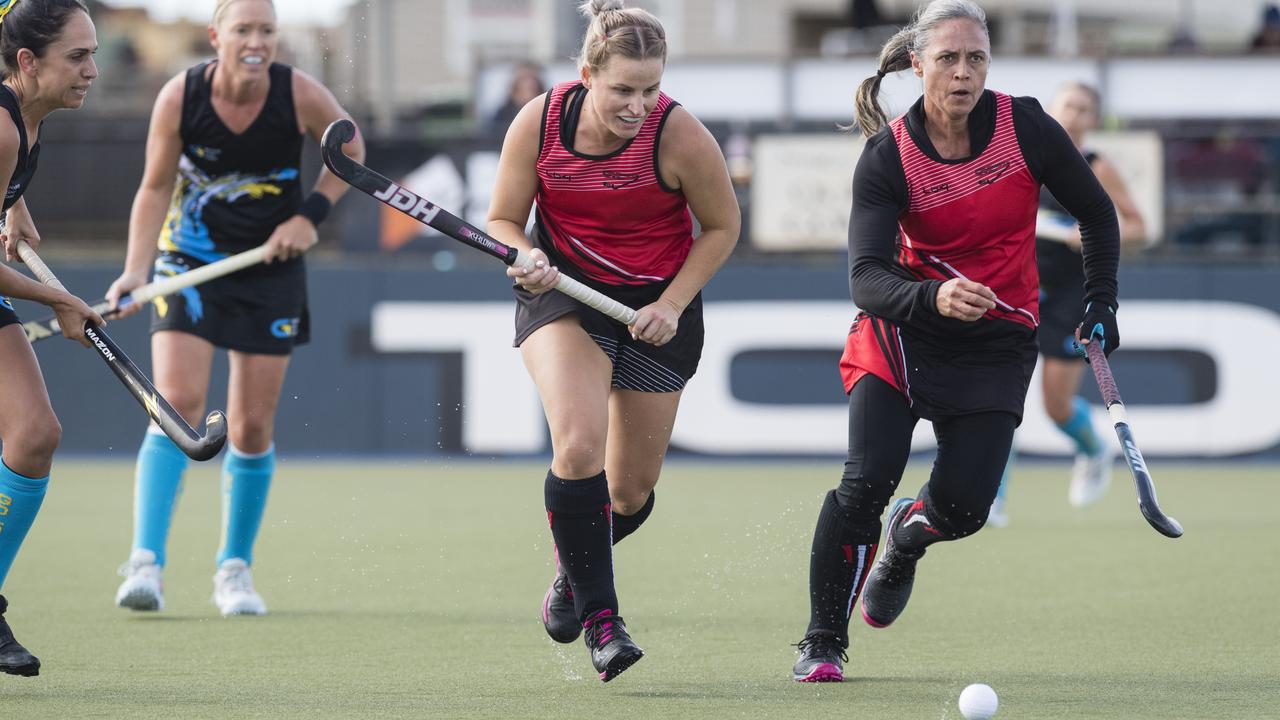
(942, 256)
(616, 169)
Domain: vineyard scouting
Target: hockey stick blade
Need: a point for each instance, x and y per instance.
(1142, 482)
(195, 445)
(389, 193)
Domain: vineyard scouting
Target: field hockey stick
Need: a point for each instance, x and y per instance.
(42, 328)
(1163, 524)
(196, 446)
(389, 193)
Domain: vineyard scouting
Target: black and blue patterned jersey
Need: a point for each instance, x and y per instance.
(27, 156)
(233, 189)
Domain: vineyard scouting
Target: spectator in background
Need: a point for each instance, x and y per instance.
(526, 84)
(1267, 40)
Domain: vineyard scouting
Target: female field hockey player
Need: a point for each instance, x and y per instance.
(229, 134)
(616, 167)
(942, 266)
(48, 48)
(1077, 108)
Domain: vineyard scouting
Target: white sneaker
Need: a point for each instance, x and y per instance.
(143, 586)
(1091, 477)
(998, 516)
(233, 591)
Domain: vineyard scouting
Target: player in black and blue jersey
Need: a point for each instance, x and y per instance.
(221, 177)
(48, 47)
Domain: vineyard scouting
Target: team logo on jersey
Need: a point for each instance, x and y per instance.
(615, 180)
(991, 173)
(205, 152)
(285, 328)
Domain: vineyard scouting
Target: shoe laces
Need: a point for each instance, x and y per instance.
(821, 645)
(237, 580)
(130, 567)
(562, 587)
(603, 627)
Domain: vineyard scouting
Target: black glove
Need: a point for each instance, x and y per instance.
(1099, 325)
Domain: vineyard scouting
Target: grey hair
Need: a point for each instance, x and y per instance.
(896, 55)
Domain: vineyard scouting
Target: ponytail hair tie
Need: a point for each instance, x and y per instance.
(880, 74)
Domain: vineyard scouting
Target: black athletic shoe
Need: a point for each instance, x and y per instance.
(612, 650)
(558, 616)
(888, 586)
(822, 659)
(14, 659)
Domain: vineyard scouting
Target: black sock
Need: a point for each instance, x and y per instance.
(838, 564)
(624, 525)
(580, 515)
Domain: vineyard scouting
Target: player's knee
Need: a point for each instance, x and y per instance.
(579, 456)
(249, 434)
(955, 519)
(37, 438)
(629, 500)
(1058, 408)
(863, 495)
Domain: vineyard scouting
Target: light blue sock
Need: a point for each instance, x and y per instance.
(1079, 427)
(156, 489)
(20, 499)
(246, 479)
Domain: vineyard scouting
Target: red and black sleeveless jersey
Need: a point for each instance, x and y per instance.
(610, 216)
(974, 219)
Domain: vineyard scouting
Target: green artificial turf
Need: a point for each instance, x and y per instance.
(411, 590)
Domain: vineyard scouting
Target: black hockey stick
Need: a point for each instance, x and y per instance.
(197, 447)
(47, 327)
(1163, 524)
(371, 183)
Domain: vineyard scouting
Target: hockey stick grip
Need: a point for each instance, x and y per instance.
(191, 278)
(587, 296)
(1102, 373)
(47, 327)
(38, 268)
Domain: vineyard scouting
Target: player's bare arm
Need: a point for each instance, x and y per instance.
(160, 171)
(513, 194)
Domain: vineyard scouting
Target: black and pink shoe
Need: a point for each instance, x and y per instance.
(558, 617)
(888, 586)
(612, 650)
(822, 659)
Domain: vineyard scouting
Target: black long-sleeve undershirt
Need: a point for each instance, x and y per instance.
(882, 287)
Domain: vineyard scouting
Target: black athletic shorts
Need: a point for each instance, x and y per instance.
(637, 365)
(261, 309)
(8, 315)
(1060, 313)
